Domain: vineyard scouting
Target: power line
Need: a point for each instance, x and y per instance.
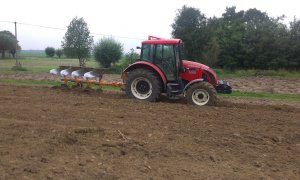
(64, 29)
(47, 27)
(7, 21)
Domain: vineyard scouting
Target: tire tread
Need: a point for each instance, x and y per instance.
(153, 78)
(203, 85)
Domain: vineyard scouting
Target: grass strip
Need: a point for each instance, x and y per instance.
(267, 95)
(29, 82)
(225, 73)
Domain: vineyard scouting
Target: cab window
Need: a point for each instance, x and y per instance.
(147, 52)
(165, 60)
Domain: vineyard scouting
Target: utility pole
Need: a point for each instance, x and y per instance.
(18, 64)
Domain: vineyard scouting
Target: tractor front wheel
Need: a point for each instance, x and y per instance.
(143, 84)
(202, 93)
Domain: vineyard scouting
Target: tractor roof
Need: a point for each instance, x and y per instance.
(157, 40)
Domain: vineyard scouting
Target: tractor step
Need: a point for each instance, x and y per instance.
(173, 89)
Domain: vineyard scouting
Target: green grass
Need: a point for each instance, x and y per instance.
(267, 95)
(253, 73)
(29, 82)
(37, 64)
(44, 64)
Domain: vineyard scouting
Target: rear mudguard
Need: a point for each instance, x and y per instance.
(145, 64)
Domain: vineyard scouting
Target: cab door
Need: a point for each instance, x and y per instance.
(165, 59)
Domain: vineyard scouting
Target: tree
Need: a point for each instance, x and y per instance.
(294, 48)
(107, 51)
(264, 40)
(50, 51)
(211, 53)
(77, 42)
(230, 36)
(59, 52)
(8, 42)
(190, 26)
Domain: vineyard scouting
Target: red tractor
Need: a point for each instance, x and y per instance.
(161, 69)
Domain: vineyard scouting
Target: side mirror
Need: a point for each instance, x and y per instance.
(138, 47)
(181, 69)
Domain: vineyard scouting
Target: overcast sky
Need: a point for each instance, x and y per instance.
(130, 18)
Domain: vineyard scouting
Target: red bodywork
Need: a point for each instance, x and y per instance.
(195, 70)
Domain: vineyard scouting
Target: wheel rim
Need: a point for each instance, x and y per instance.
(200, 97)
(141, 88)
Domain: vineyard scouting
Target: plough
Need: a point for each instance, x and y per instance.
(83, 75)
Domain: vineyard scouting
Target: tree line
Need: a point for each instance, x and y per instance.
(239, 39)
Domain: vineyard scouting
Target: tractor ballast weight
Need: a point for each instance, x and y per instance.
(159, 70)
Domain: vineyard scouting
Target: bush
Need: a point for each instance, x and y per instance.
(107, 51)
(131, 57)
(50, 51)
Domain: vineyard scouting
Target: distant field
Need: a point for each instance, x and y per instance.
(38, 64)
(32, 53)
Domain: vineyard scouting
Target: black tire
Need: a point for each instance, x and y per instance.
(201, 93)
(143, 84)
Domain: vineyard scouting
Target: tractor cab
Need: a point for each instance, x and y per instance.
(165, 54)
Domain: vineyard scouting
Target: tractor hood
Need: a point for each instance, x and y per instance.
(192, 64)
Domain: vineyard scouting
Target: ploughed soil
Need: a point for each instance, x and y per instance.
(56, 133)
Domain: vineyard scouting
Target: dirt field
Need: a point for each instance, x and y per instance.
(50, 133)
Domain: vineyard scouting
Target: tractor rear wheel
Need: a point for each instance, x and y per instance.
(202, 93)
(143, 84)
